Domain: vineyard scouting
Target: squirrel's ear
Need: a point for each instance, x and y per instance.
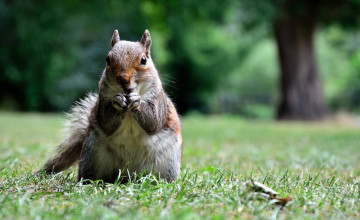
(115, 38)
(146, 41)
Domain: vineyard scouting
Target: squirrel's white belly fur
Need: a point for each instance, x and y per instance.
(131, 150)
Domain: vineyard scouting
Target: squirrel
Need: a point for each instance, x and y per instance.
(129, 127)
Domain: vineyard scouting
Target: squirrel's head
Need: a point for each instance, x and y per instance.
(129, 65)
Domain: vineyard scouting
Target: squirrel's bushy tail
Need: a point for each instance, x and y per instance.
(68, 152)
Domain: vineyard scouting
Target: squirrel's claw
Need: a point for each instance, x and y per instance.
(119, 102)
(133, 100)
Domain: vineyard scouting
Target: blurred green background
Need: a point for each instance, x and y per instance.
(213, 56)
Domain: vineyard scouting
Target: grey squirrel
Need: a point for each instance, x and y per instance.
(129, 127)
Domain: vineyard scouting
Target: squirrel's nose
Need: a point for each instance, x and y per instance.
(123, 81)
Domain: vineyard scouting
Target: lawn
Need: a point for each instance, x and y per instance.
(317, 164)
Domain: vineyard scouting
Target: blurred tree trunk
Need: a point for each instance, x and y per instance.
(301, 90)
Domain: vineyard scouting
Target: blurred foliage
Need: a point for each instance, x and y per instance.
(327, 12)
(252, 85)
(339, 59)
(212, 57)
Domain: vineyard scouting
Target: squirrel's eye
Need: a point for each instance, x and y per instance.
(107, 61)
(143, 60)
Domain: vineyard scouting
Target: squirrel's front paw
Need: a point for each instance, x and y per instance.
(119, 102)
(133, 101)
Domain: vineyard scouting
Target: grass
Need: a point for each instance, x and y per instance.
(316, 164)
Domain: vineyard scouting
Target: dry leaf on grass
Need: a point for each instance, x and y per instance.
(259, 190)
